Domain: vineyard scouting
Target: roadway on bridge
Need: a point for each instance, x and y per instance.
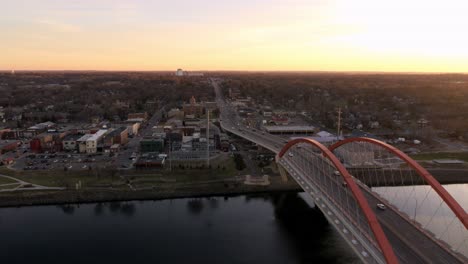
(409, 243)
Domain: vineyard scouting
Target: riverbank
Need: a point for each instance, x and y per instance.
(30, 198)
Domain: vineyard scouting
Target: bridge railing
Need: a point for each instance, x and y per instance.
(318, 166)
(405, 185)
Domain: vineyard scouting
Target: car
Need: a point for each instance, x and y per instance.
(290, 154)
(344, 184)
(381, 206)
(337, 173)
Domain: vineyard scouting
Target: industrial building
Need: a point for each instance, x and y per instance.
(302, 130)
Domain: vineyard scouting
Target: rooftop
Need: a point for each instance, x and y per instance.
(84, 137)
(4, 143)
(289, 128)
(43, 125)
(72, 137)
(448, 161)
(97, 135)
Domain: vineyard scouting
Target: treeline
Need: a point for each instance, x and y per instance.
(80, 96)
(394, 100)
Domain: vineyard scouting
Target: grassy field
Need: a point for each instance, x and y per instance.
(221, 168)
(59, 178)
(441, 155)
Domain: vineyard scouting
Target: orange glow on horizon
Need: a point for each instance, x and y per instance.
(363, 35)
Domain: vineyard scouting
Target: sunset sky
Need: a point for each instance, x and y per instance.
(304, 35)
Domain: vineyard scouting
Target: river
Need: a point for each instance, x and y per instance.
(279, 228)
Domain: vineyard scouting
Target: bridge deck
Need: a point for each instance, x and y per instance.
(409, 243)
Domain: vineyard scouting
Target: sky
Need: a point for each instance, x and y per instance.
(254, 35)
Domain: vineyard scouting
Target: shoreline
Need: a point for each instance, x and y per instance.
(43, 198)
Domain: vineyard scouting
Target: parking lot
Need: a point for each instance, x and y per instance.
(62, 161)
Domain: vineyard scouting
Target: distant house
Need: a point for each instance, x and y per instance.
(8, 161)
(144, 116)
(70, 142)
(8, 145)
(374, 124)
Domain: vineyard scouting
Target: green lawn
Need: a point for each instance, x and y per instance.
(441, 155)
(59, 178)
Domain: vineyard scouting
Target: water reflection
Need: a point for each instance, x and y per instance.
(279, 228)
(195, 206)
(68, 209)
(123, 208)
(98, 209)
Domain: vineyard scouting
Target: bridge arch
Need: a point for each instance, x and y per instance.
(422, 172)
(369, 215)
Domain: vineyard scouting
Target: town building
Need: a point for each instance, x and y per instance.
(89, 142)
(37, 129)
(152, 145)
(116, 136)
(69, 143)
(150, 160)
(193, 108)
(82, 143)
(175, 113)
(303, 130)
(180, 72)
(144, 116)
(48, 141)
(8, 145)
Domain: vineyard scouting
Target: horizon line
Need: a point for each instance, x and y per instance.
(240, 71)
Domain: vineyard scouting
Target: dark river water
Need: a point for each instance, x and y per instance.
(279, 228)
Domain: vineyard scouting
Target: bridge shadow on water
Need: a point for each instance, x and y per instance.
(308, 231)
(305, 234)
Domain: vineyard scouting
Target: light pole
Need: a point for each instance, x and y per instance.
(208, 139)
(415, 208)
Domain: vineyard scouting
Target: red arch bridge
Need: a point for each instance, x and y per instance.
(352, 183)
(349, 181)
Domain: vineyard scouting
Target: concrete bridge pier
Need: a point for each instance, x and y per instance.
(284, 174)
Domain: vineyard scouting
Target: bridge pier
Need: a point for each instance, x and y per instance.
(284, 174)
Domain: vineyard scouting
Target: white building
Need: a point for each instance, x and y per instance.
(179, 72)
(82, 143)
(92, 142)
(89, 142)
